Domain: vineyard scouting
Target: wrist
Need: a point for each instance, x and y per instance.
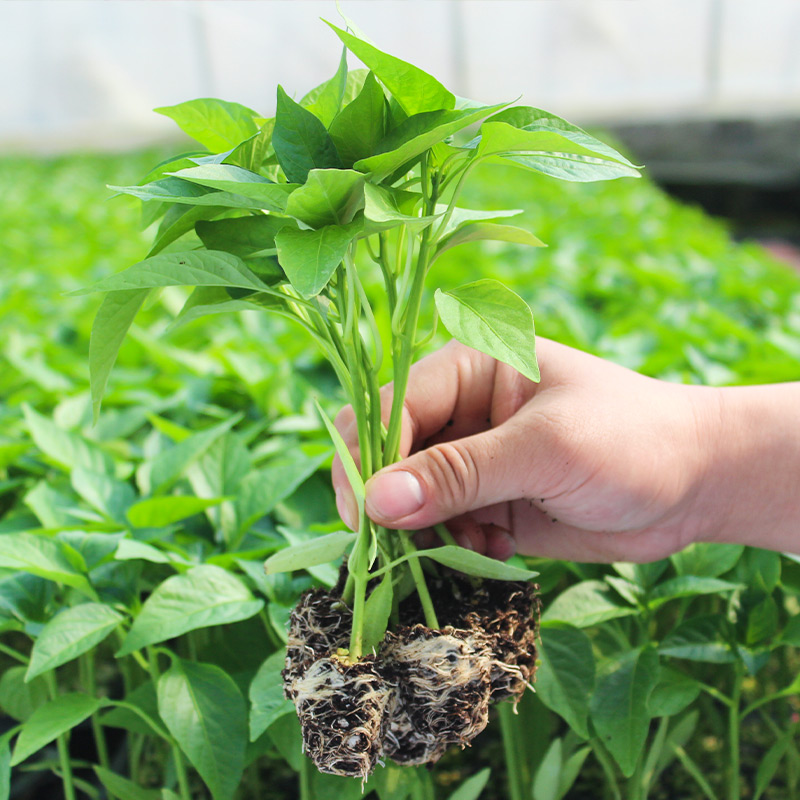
(749, 490)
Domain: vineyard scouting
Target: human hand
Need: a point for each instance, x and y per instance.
(595, 463)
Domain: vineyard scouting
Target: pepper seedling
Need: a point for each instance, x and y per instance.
(359, 179)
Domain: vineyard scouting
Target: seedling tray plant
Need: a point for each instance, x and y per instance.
(295, 215)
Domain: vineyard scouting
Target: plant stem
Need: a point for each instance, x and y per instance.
(607, 767)
(734, 788)
(511, 740)
(15, 654)
(305, 778)
(63, 747)
(87, 665)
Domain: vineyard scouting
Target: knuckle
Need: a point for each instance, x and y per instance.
(455, 474)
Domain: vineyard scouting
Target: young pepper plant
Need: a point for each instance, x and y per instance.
(292, 213)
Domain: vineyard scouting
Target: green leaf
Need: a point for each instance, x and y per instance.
(186, 193)
(360, 126)
(205, 595)
(122, 788)
(5, 764)
(548, 775)
(65, 448)
(570, 770)
(309, 258)
(325, 100)
(376, 614)
(416, 135)
(217, 124)
(673, 693)
(69, 634)
(319, 550)
(762, 622)
(111, 324)
(242, 236)
(472, 787)
(49, 721)
(235, 180)
(488, 231)
(463, 216)
(566, 677)
(301, 141)
(146, 721)
(328, 197)
(163, 469)
(699, 638)
(586, 603)
(413, 89)
(191, 268)
(472, 563)
(42, 556)
(706, 560)
(162, 511)
(353, 474)
(619, 707)
(181, 219)
(491, 318)
(770, 762)
(382, 210)
(131, 549)
(267, 702)
(19, 699)
(111, 497)
(688, 586)
(205, 712)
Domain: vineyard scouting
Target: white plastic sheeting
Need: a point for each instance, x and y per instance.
(82, 73)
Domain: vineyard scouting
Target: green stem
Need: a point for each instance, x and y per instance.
(305, 778)
(511, 739)
(62, 743)
(607, 766)
(734, 789)
(445, 535)
(695, 771)
(15, 654)
(419, 581)
(87, 664)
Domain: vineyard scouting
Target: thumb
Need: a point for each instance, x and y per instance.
(451, 478)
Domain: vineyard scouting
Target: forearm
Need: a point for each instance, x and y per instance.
(751, 479)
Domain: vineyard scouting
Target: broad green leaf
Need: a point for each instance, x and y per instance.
(688, 586)
(376, 614)
(49, 721)
(325, 100)
(159, 472)
(44, 557)
(179, 220)
(413, 89)
(472, 787)
(361, 125)
(570, 770)
(416, 135)
(586, 603)
(122, 788)
(328, 197)
(791, 633)
(706, 560)
(205, 595)
(19, 699)
(93, 548)
(527, 118)
(318, 550)
(205, 712)
(131, 549)
(472, 563)
(238, 181)
(252, 152)
(187, 193)
(111, 324)
(309, 258)
(770, 762)
(216, 124)
(261, 490)
(463, 216)
(285, 735)
(619, 707)
(491, 318)
(69, 634)
(673, 693)
(642, 575)
(191, 268)
(759, 569)
(65, 448)
(566, 677)
(478, 231)
(762, 621)
(242, 236)
(27, 596)
(109, 496)
(353, 474)
(158, 512)
(699, 638)
(301, 141)
(267, 702)
(382, 211)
